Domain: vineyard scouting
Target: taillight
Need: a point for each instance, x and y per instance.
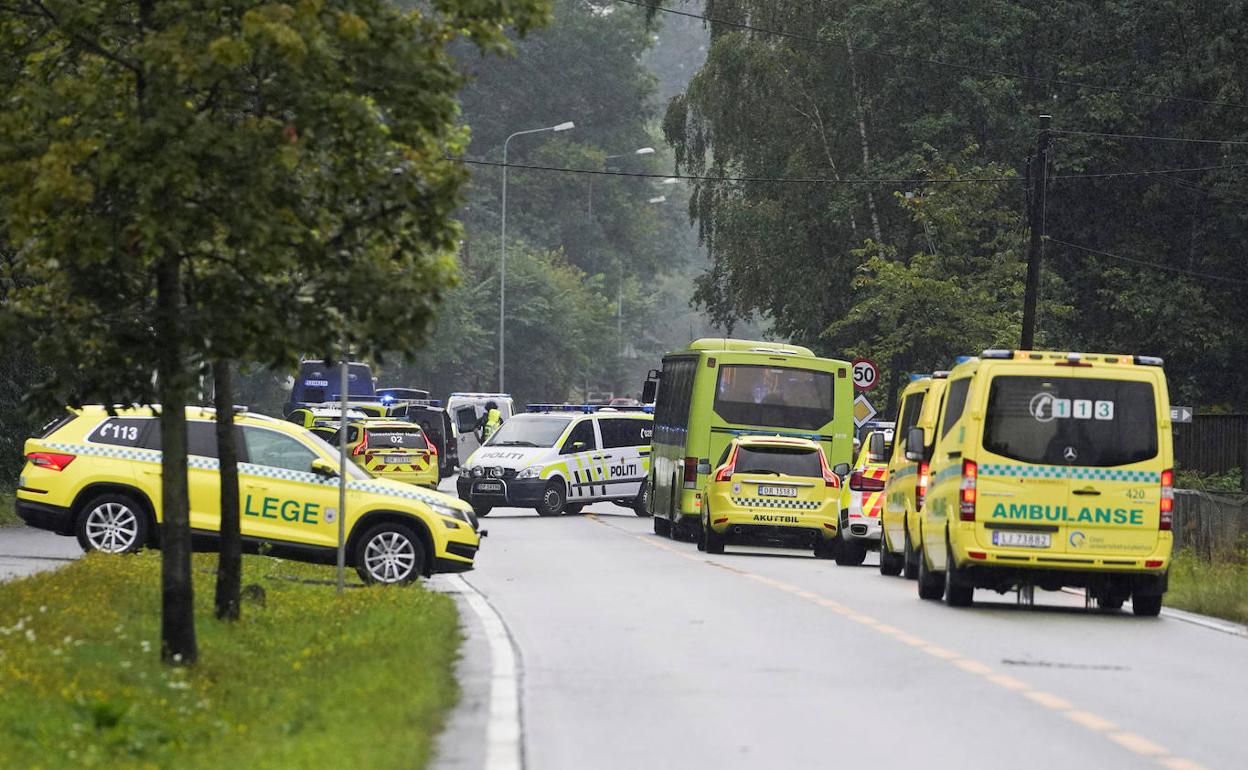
(691, 473)
(830, 479)
(726, 470)
(363, 445)
(53, 461)
(433, 448)
(1166, 522)
(859, 481)
(920, 489)
(970, 477)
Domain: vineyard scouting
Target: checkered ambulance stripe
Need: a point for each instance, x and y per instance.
(1064, 472)
(758, 502)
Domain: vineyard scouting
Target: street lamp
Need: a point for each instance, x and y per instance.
(640, 151)
(590, 200)
(658, 199)
(502, 263)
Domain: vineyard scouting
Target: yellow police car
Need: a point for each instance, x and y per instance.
(97, 476)
(776, 489)
(392, 449)
(1050, 469)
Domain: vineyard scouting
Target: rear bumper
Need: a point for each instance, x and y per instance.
(1000, 578)
(863, 528)
(773, 525)
(43, 516)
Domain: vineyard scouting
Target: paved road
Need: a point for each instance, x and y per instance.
(637, 651)
(25, 551)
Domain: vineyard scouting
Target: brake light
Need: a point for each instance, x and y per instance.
(363, 445)
(830, 479)
(727, 469)
(859, 481)
(920, 489)
(691, 473)
(970, 477)
(433, 448)
(53, 461)
(1166, 522)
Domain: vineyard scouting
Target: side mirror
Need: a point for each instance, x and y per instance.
(875, 448)
(577, 446)
(649, 391)
(841, 469)
(324, 468)
(914, 445)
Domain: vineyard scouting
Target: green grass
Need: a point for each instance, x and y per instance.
(8, 517)
(308, 680)
(1218, 588)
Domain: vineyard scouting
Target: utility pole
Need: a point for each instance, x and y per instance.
(1039, 176)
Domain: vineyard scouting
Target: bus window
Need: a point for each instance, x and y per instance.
(749, 394)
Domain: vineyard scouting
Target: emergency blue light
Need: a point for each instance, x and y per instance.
(918, 376)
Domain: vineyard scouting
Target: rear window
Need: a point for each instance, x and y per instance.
(774, 396)
(396, 438)
(1071, 420)
(56, 425)
(790, 461)
(617, 433)
(909, 416)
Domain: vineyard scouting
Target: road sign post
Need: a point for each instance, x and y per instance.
(866, 374)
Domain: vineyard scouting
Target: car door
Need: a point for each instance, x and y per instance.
(203, 474)
(580, 452)
(282, 500)
(623, 443)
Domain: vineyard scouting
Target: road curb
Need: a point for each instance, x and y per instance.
(1196, 619)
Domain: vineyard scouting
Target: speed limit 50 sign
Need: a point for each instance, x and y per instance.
(866, 374)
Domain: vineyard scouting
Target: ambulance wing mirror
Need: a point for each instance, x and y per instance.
(324, 468)
(875, 448)
(649, 391)
(914, 445)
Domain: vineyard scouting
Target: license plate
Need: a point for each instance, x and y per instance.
(489, 486)
(1022, 539)
(397, 459)
(777, 491)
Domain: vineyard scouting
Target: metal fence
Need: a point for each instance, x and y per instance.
(1211, 524)
(1212, 443)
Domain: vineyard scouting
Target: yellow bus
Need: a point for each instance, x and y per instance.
(718, 389)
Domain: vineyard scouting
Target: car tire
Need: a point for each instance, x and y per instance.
(931, 584)
(390, 554)
(482, 510)
(1146, 606)
(662, 526)
(850, 553)
(958, 593)
(827, 548)
(909, 559)
(554, 499)
(112, 523)
(714, 541)
(702, 533)
(641, 506)
(891, 563)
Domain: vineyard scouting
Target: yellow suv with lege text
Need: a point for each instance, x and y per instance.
(1050, 470)
(98, 476)
(771, 488)
(906, 479)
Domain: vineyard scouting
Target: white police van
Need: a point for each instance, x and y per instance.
(466, 408)
(557, 458)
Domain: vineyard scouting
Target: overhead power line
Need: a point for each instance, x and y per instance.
(1153, 265)
(1117, 89)
(1141, 137)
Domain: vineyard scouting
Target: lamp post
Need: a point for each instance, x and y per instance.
(502, 262)
(638, 151)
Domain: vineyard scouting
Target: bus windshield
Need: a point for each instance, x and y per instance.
(779, 396)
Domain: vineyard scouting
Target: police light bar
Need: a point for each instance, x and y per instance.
(919, 376)
(963, 359)
(997, 353)
(1149, 361)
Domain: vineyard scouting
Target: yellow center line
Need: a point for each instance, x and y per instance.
(1132, 742)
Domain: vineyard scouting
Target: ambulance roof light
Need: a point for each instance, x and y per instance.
(1149, 361)
(941, 375)
(997, 353)
(962, 360)
(918, 376)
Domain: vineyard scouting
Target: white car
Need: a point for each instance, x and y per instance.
(557, 459)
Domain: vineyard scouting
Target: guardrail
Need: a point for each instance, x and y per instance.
(1210, 523)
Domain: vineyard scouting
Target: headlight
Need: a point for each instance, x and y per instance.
(478, 472)
(531, 472)
(448, 511)
(496, 473)
(464, 471)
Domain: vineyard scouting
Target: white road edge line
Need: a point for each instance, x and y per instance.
(504, 736)
(1204, 621)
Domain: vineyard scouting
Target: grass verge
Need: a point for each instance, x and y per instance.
(1218, 588)
(8, 517)
(309, 679)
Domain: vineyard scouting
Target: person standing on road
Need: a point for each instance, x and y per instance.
(489, 423)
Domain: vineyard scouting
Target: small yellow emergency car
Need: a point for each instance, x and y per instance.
(392, 449)
(98, 476)
(771, 488)
(862, 499)
(1049, 470)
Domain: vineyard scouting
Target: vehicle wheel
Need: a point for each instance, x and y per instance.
(714, 541)
(931, 584)
(112, 523)
(554, 499)
(662, 526)
(482, 510)
(826, 548)
(890, 563)
(1146, 606)
(851, 553)
(910, 559)
(573, 510)
(641, 505)
(389, 553)
(957, 592)
(702, 533)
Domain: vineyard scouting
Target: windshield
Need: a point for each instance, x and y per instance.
(1071, 420)
(789, 461)
(319, 382)
(530, 431)
(774, 396)
(353, 471)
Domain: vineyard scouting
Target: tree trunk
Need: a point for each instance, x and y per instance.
(866, 147)
(230, 559)
(177, 626)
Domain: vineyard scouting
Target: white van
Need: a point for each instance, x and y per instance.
(557, 459)
(467, 408)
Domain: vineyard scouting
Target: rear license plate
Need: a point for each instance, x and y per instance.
(777, 491)
(397, 459)
(1022, 539)
(488, 486)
